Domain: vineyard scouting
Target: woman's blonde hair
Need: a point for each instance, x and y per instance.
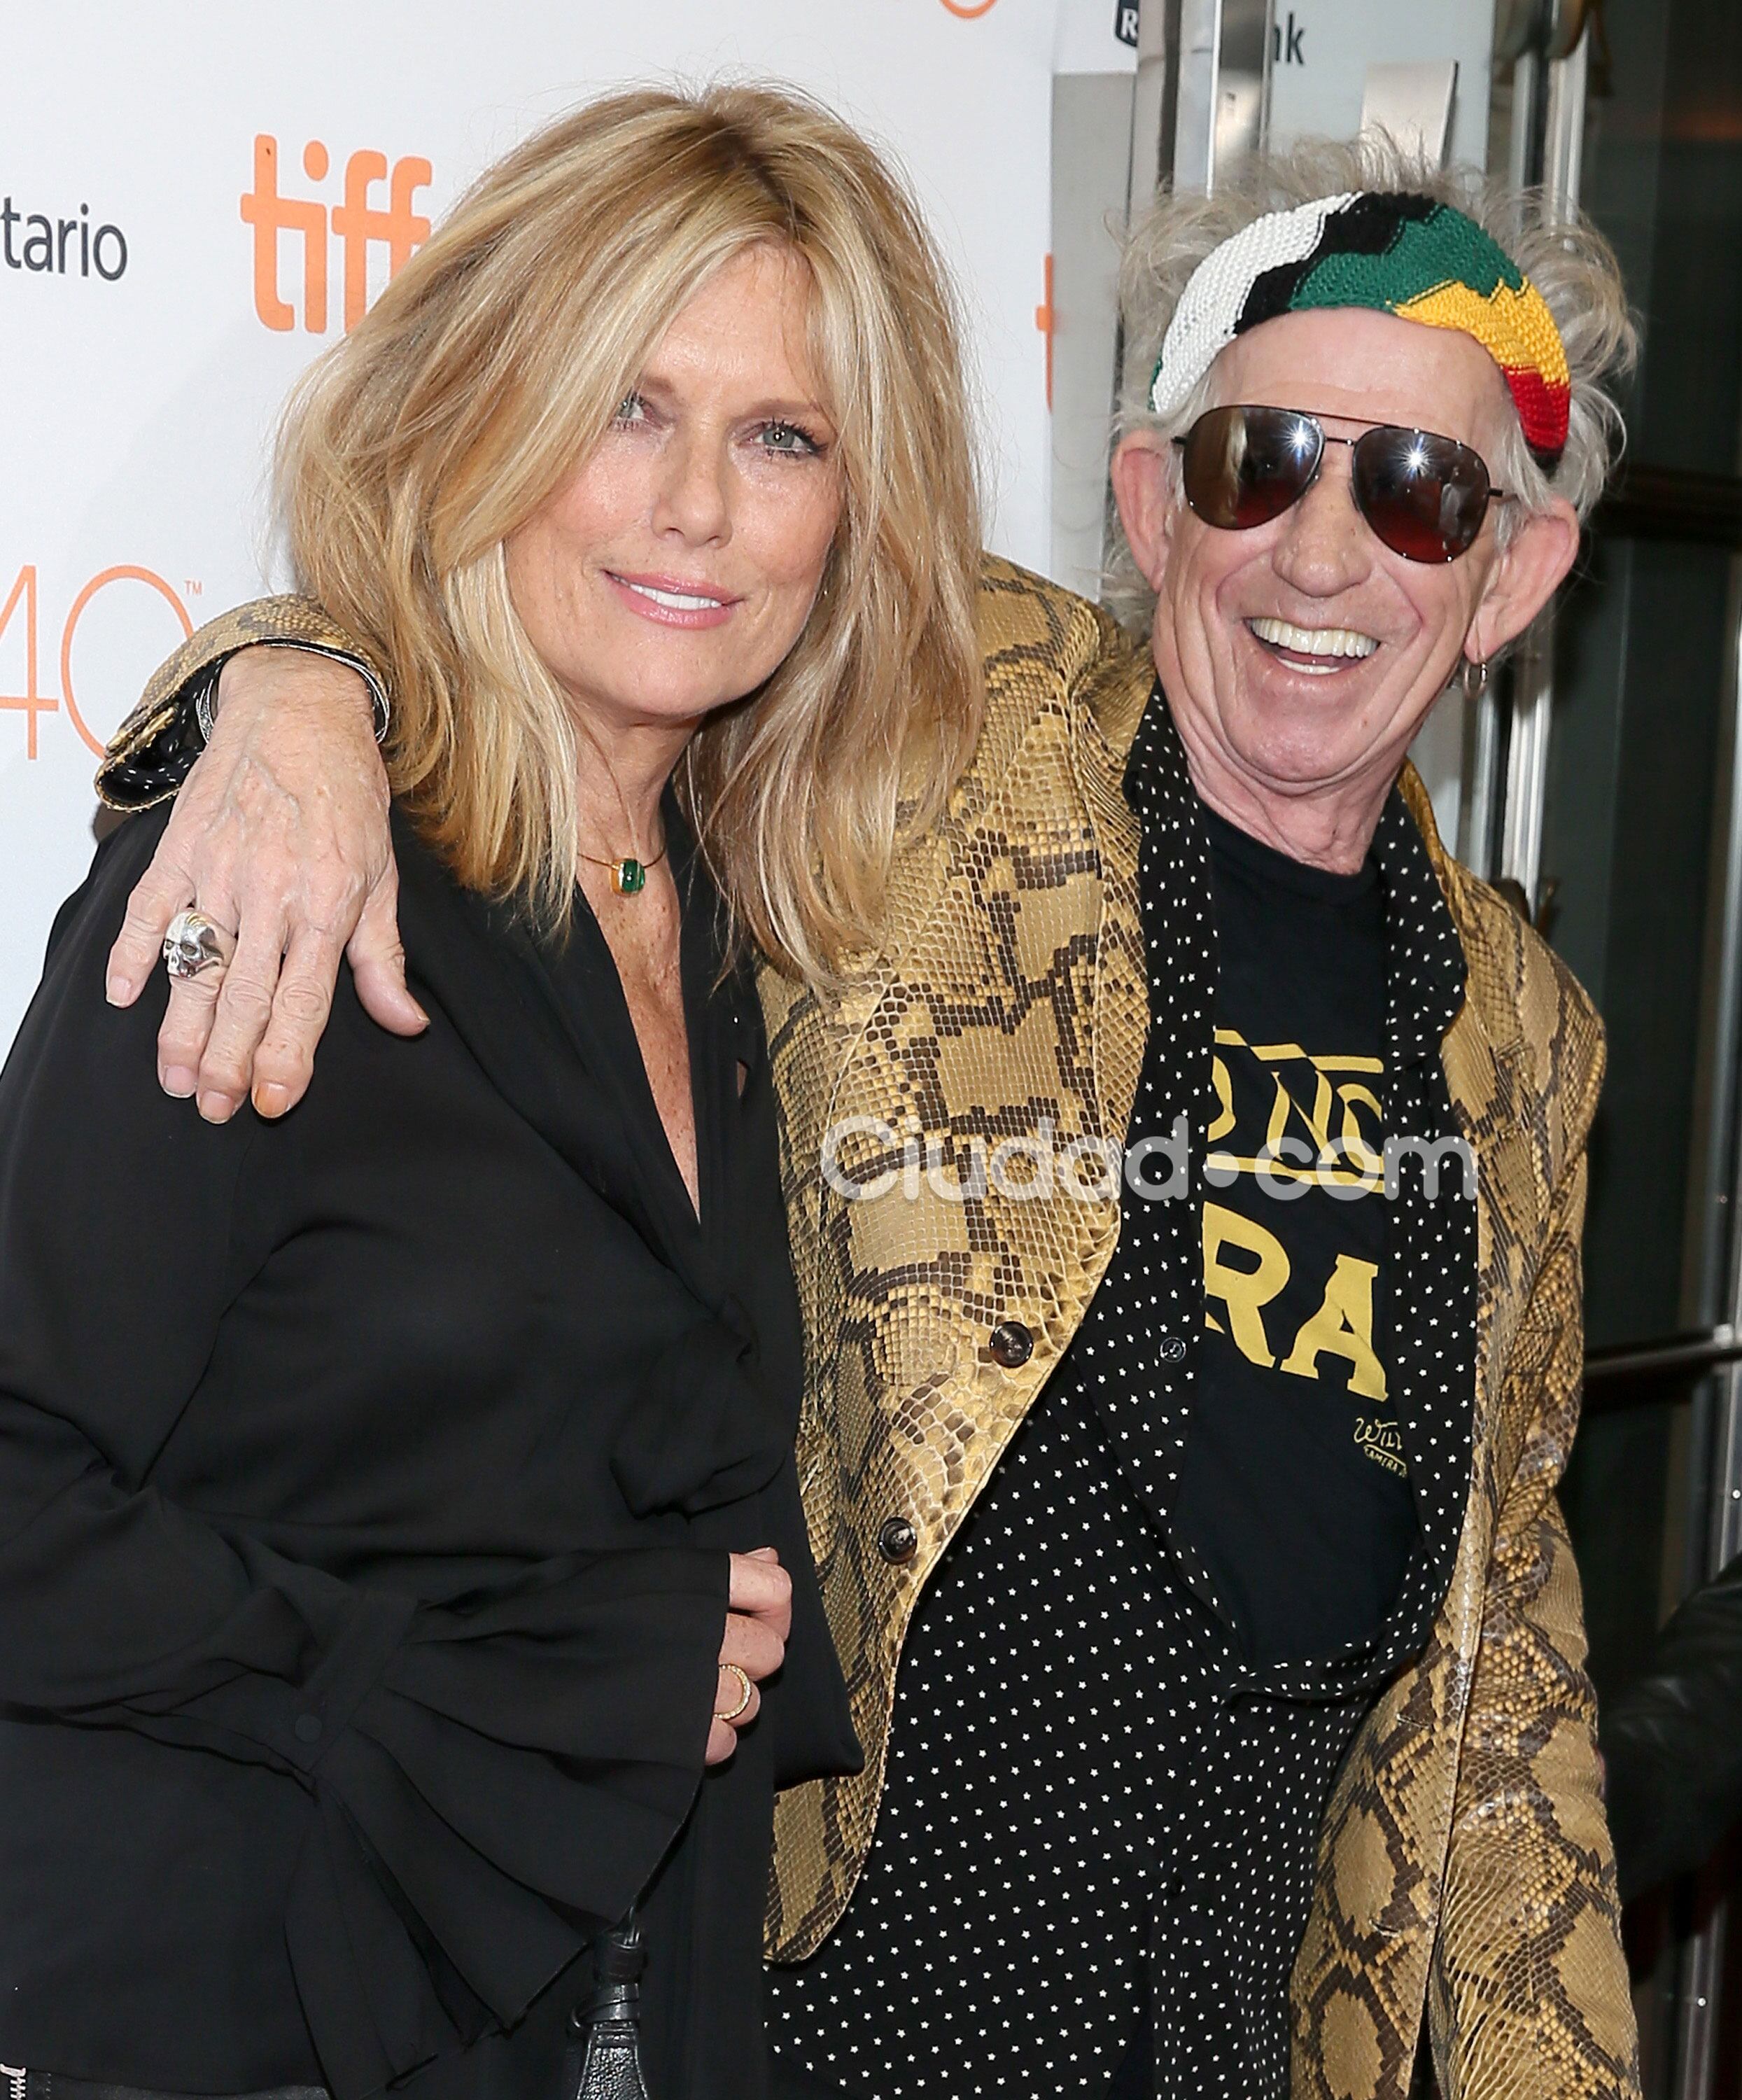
(1563, 254)
(494, 363)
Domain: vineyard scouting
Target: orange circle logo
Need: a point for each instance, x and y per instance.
(970, 10)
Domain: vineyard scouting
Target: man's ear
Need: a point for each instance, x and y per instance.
(1524, 578)
(1142, 475)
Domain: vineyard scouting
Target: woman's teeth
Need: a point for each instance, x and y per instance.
(1322, 642)
(675, 600)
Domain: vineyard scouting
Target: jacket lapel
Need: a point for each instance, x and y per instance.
(1483, 1057)
(1103, 732)
(481, 967)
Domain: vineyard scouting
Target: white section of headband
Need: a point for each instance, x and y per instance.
(1203, 322)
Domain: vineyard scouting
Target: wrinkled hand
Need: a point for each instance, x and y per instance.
(759, 1618)
(279, 835)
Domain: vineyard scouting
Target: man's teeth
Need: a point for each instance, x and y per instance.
(675, 600)
(1313, 641)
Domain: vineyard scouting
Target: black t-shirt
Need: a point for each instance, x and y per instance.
(1296, 1492)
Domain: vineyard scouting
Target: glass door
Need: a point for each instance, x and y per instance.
(1611, 802)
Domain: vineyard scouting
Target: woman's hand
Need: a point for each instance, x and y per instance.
(280, 835)
(758, 1617)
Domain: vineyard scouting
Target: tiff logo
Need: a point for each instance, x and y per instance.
(357, 221)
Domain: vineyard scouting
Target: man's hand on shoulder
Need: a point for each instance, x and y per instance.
(280, 835)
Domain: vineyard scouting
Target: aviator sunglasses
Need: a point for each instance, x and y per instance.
(1425, 497)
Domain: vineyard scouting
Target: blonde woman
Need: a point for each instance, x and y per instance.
(401, 1526)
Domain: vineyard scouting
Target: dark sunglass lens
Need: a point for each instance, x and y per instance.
(1426, 497)
(1245, 466)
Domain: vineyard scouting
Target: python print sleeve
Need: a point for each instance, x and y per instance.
(1528, 1991)
(153, 752)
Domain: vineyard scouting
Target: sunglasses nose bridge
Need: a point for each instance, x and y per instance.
(1319, 487)
(1326, 532)
(1344, 447)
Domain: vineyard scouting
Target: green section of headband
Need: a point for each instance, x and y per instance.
(1446, 247)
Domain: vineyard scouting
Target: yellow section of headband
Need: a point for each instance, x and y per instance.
(1515, 329)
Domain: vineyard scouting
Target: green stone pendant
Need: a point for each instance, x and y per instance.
(629, 878)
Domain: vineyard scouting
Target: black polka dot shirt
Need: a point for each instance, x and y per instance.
(1095, 1856)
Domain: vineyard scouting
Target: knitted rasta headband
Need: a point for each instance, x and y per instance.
(1396, 253)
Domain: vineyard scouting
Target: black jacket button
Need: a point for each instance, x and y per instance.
(1173, 1349)
(1011, 1344)
(307, 1727)
(898, 1541)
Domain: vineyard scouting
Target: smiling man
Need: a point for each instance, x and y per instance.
(1188, 1528)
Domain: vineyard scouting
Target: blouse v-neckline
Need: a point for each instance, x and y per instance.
(588, 984)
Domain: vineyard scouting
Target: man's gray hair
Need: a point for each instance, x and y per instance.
(1566, 259)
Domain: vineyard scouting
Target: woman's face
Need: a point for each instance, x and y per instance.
(675, 568)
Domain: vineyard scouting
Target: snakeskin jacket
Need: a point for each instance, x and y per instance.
(1465, 1866)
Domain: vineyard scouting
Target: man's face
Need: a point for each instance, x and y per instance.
(1304, 653)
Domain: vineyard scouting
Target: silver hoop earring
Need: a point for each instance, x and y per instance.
(1475, 678)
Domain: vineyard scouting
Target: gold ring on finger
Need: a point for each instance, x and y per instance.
(743, 1707)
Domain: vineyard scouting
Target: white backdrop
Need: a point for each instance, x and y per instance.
(150, 321)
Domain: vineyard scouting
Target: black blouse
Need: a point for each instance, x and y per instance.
(367, 1481)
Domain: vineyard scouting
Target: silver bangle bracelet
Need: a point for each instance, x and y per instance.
(204, 693)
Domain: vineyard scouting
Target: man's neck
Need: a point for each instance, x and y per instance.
(1330, 827)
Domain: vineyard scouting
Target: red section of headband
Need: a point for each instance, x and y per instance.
(1542, 410)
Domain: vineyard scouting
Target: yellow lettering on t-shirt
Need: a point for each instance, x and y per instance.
(1358, 1149)
(1342, 1326)
(1224, 1095)
(1245, 1292)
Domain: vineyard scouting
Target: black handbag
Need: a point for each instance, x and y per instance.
(605, 2056)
